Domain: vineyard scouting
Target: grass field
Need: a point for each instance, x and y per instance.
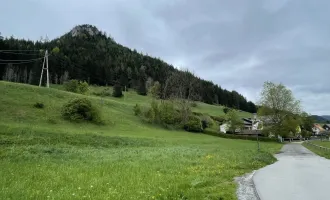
(318, 151)
(43, 156)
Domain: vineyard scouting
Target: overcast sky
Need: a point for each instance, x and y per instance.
(237, 44)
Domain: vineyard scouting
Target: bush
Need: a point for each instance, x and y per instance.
(155, 109)
(168, 114)
(194, 124)
(225, 110)
(149, 115)
(39, 105)
(78, 110)
(106, 92)
(137, 110)
(155, 90)
(76, 86)
(117, 91)
(206, 121)
(193, 104)
(218, 119)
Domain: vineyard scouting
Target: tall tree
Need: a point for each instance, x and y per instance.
(234, 121)
(142, 90)
(278, 105)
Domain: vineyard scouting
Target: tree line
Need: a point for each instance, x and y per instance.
(87, 54)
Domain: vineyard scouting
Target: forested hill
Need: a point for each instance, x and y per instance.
(85, 53)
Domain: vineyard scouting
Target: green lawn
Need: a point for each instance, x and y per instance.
(43, 156)
(322, 143)
(320, 152)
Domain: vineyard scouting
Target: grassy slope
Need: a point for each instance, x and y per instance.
(43, 156)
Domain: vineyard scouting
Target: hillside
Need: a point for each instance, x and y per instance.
(86, 53)
(320, 119)
(43, 156)
(327, 117)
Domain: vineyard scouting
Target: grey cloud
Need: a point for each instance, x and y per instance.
(237, 44)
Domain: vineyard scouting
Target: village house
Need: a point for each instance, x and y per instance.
(250, 127)
(317, 129)
(326, 127)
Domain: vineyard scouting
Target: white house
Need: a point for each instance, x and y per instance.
(248, 124)
(224, 128)
(317, 129)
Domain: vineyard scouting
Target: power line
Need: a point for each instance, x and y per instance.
(19, 63)
(16, 53)
(20, 60)
(15, 50)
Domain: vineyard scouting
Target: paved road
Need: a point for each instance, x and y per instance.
(298, 174)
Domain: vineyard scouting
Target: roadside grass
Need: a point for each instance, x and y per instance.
(43, 156)
(318, 151)
(324, 143)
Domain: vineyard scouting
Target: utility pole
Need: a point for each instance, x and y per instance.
(45, 68)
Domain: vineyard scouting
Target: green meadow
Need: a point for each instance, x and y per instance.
(43, 156)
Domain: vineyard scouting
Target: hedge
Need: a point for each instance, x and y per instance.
(242, 137)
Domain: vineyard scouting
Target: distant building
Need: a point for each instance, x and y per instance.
(249, 125)
(317, 129)
(326, 127)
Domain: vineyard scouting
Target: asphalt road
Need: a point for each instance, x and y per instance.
(298, 174)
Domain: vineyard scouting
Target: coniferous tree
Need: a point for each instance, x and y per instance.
(117, 91)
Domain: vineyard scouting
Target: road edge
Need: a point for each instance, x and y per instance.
(254, 186)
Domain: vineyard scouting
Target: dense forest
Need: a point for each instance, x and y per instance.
(85, 53)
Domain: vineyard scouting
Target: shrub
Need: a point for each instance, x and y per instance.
(193, 104)
(117, 91)
(218, 119)
(137, 110)
(193, 124)
(207, 121)
(78, 110)
(83, 87)
(155, 90)
(198, 113)
(149, 115)
(39, 105)
(167, 113)
(76, 86)
(155, 109)
(225, 110)
(105, 92)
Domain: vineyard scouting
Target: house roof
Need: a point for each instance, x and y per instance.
(318, 126)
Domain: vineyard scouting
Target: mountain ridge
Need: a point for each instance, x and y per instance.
(86, 53)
